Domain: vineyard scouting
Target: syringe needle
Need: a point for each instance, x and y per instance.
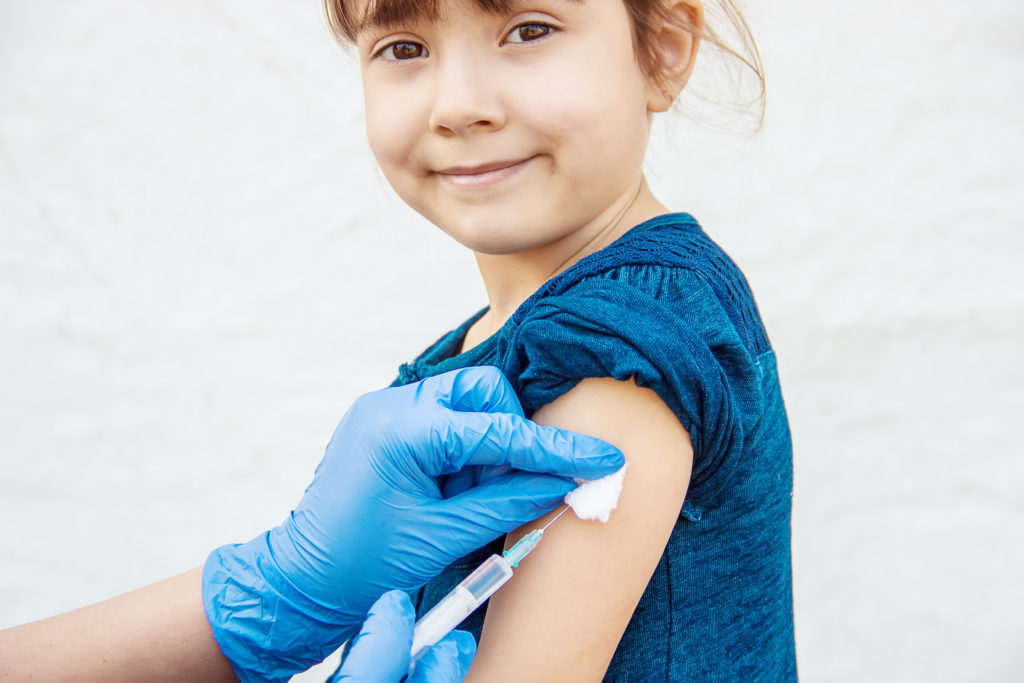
(544, 528)
(525, 545)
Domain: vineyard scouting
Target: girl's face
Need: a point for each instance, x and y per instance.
(509, 131)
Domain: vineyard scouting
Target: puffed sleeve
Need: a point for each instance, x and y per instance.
(684, 347)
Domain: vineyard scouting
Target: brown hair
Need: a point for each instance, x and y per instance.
(646, 15)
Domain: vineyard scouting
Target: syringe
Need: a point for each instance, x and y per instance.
(472, 592)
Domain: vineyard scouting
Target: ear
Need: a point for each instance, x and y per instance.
(677, 40)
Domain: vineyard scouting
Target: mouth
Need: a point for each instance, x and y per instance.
(482, 175)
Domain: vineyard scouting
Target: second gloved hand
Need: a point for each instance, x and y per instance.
(381, 651)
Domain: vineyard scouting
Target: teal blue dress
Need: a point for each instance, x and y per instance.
(666, 306)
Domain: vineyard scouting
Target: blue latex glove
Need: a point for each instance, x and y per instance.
(374, 518)
(381, 651)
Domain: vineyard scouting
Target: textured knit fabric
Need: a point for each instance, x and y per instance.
(666, 306)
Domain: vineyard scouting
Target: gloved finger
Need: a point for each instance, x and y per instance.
(470, 476)
(481, 389)
(502, 439)
(382, 649)
(500, 505)
(446, 662)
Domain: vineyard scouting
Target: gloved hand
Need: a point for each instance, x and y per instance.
(374, 519)
(381, 651)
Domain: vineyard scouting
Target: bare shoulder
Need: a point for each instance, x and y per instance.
(563, 613)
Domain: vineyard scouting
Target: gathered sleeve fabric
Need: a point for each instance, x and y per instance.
(681, 342)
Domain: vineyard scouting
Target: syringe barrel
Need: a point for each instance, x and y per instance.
(460, 603)
(488, 577)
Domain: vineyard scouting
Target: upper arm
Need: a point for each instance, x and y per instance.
(561, 616)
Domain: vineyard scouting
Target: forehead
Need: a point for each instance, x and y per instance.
(362, 15)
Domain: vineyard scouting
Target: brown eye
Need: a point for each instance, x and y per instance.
(528, 32)
(532, 32)
(405, 50)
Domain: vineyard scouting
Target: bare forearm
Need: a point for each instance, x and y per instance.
(157, 633)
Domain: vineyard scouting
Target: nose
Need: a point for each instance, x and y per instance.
(466, 99)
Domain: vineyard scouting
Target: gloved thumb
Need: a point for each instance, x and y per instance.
(481, 389)
(504, 439)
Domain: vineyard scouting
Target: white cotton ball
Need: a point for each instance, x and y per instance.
(596, 498)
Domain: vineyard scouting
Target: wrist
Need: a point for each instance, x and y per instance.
(266, 626)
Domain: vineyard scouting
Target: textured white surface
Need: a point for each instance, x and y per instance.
(200, 269)
(597, 498)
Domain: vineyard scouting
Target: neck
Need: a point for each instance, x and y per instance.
(511, 278)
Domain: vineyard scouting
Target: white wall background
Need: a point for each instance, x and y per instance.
(200, 269)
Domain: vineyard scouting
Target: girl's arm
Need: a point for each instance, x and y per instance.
(561, 616)
(157, 633)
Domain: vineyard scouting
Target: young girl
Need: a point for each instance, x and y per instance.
(519, 128)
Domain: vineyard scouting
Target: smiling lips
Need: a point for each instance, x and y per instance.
(482, 175)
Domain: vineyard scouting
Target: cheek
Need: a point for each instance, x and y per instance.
(389, 127)
(599, 127)
(595, 113)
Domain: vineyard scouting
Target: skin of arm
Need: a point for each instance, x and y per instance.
(157, 633)
(561, 616)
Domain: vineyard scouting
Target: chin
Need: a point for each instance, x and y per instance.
(497, 237)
